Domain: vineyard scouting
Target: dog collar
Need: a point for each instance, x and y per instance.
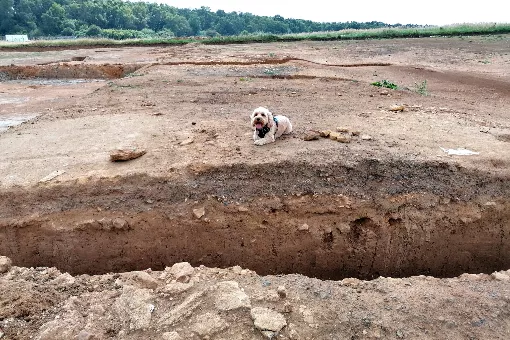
(275, 121)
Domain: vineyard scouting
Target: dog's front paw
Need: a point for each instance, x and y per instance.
(259, 142)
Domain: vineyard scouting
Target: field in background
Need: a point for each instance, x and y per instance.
(350, 34)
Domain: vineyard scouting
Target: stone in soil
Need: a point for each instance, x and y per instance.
(229, 296)
(181, 271)
(5, 264)
(122, 155)
(266, 320)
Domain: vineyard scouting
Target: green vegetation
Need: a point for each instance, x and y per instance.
(122, 20)
(421, 88)
(117, 19)
(386, 84)
(349, 34)
(117, 22)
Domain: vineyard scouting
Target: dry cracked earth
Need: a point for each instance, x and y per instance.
(382, 230)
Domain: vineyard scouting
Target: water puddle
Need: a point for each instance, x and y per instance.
(7, 121)
(53, 82)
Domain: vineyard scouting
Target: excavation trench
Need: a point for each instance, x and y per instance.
(68, 70)
(394, 219)
(76, 68)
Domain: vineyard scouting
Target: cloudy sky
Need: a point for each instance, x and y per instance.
(432, 12)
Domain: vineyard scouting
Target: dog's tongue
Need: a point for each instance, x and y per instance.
(258, 126)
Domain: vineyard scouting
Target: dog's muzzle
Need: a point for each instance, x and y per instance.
(258, 123)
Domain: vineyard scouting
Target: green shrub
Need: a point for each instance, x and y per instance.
(386, 84)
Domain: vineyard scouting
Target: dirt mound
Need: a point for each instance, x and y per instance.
(183, 302)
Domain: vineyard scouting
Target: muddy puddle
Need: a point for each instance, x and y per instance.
(8, 121)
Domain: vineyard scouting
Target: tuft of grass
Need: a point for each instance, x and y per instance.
(245, 79)
(385, 83)
(421, 88)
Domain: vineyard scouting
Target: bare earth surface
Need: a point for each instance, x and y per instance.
(391, 231)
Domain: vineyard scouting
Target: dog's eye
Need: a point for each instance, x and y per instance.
(263, 114)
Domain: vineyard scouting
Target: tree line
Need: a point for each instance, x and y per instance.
(122, 20)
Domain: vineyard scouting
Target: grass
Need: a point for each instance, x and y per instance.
(385, 83)
(421, 88)
(351, 34)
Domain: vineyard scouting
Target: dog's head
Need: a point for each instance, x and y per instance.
(261, 117)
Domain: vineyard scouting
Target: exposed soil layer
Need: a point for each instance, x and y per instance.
(336, 221)
(394, 201)
(67, 70)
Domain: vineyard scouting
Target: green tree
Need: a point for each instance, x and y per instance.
(54, 17)
(179, 25)
(156, 17)
(23, 16)
(52, 21)
(93, 31)
(206, 17)
(194, 23)
(6, 16)
(140, 15)
(225, 27)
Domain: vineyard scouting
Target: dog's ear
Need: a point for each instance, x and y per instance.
(270, 120)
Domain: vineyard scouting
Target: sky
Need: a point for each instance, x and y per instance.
(426, 12)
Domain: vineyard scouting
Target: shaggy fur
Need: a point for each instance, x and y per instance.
(266, 127)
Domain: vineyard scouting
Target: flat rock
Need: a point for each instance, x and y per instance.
(208, 324)
(303, 227)
(266, 319)
(312, 135)
(500, 276)
(175, 288)
(396, 108)
(121, 155)
(171, 336)
(229, 296)
(140, 279)
(343, 139)
(52, 175)
(199, 212)
(84, 335)
(64, 279)
(134, 306)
